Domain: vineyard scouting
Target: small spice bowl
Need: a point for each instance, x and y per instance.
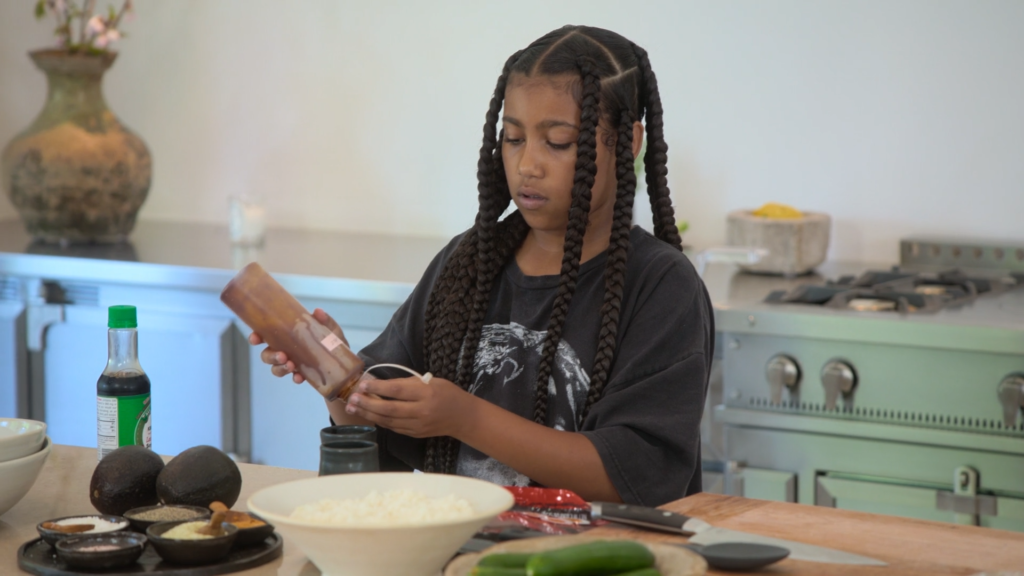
(103, 523)
(144, 517)
(255, 534)
(192, 552)
(101, 551)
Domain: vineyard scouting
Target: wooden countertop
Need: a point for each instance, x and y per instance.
(911, 547)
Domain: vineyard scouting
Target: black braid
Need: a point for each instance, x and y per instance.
(509, 234)
(615, 271)
(656, 158)
(579, 214)
(494, 199)
(451, 341)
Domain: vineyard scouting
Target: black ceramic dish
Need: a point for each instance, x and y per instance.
(254, 535)
(141, 525)
(51, 537)
(74, 551)
(739, 556)
(191, 552)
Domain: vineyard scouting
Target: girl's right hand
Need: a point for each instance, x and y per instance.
(280, 365)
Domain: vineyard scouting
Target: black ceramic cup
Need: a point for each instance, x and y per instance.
(348, 457)
(349, 432)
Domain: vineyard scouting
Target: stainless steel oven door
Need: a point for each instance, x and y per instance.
(960, 501)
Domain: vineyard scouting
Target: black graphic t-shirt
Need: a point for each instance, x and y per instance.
(646, 425)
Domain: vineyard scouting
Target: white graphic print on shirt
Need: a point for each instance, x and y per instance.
(500, 371)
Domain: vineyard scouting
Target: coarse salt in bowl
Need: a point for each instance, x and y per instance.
(50, 530)
(100, 523)
(353, 524)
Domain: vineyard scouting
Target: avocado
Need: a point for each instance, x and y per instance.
(125, 479)
(199, 476)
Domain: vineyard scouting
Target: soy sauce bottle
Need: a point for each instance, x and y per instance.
(123, 415)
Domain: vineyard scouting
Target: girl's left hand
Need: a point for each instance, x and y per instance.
(412, 408)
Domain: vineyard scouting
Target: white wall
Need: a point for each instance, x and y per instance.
(895, 117)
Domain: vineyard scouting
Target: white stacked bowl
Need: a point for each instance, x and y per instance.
(410, 550)
(20, 437)
(18, 475)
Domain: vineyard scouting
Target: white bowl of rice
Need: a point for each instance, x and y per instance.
(380, 524)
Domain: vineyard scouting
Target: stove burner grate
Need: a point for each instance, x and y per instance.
(895, 290)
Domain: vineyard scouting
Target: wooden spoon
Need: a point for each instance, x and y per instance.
(214, 528)
(68, 528)
(239, 519)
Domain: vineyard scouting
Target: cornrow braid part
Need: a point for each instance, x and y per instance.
(579, 213)
(656, 158)
(615, 268)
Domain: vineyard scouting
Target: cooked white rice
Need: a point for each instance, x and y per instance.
(392, 508)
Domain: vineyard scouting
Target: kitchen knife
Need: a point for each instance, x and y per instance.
(700, 532)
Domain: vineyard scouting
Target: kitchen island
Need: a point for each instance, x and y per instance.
(910, 547)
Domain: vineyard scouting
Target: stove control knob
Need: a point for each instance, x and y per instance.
(1011, 396)
(782, 372)
(837, 377)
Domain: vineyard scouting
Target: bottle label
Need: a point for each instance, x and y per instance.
(331, 341)
(122, 421)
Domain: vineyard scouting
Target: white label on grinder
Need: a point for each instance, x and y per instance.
(331, 341)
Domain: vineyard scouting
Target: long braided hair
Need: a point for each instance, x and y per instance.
(615, 84)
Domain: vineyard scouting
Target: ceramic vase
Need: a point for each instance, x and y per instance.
(76, 175)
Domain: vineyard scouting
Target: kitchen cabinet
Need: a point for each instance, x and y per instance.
(11, 349)
(183, 354)
(767, 484)
(185, 345)
(209, 385)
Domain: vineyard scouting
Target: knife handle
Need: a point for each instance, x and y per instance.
(641, 516)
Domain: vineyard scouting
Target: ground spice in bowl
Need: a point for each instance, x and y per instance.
(166, 514)
(143, 518)
(187, 531)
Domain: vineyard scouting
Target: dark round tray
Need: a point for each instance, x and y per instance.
(37, 557)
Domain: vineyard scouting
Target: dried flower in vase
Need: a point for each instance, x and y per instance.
(80, 29)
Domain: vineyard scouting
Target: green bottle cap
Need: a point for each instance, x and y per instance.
(122, 317)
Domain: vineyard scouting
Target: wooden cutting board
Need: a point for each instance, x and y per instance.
(910, 547)
(670, 560)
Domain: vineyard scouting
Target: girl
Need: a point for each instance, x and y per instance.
(568, 347)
